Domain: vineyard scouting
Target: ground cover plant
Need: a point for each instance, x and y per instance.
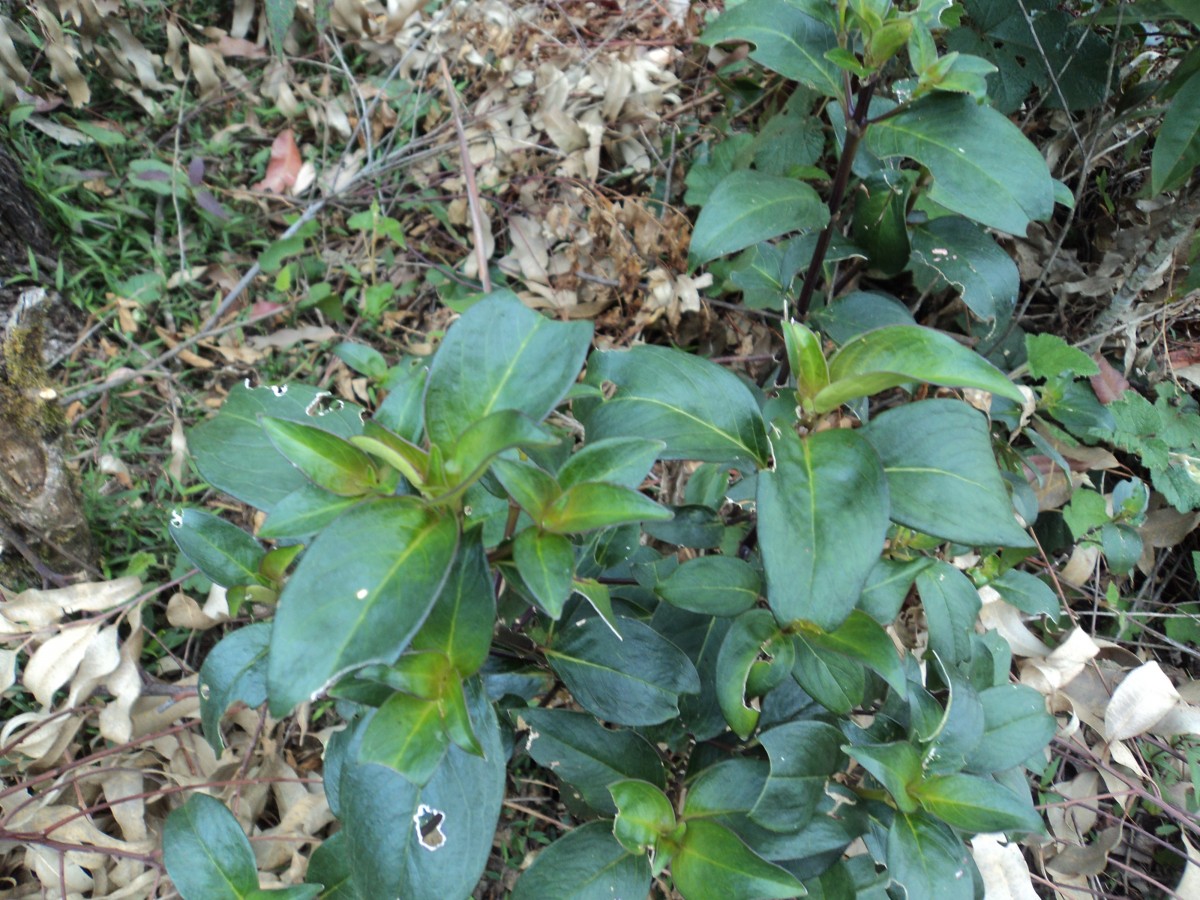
(797, 555)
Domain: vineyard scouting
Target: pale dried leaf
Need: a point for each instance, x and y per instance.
(122, 789)
(125, 684)
(1089, 860)
(1182, 718)
(8, 669)
(1122, 755)
(1070, 822)
(38, 608)
(1003, 868)
(1082, 565)
(289, 337)
(53, 663)
(1061, 666)
(204, 65)
(1189, 883)
(102, 657)
(1167, 527)
(1006, 620)
(1144, 697)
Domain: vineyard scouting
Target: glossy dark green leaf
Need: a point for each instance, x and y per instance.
(712, 585)
(898, 354)
(484, 440)
(698, 527)
(975, 804)
(983, 167)
(403, 409)
(329, 867)
(224, 554)
(1177, 145)
(327, 460)
(304, 512)
(942, 475)
(594, 505)
(1016, 726)
(791, 38)
(713, 862)
(1026, 592)
(928, 859)
(700, 410)
(586, 863)
(232, 451)
(643, 814)
(895, 765)
(701, 713)
(634, 679)
(835, 681)
(234, 671)
(461, 622)
(954, 252)
(951, 606)
(501, 355)
(746, 639)
(622, 461)
(356, 599)
(406, 734)
(749, 206)
(863, 639)
(887, 587)
(803, 756)
(589, 757)
(431, 842)
(880, 223)
(206, 853)
(547, 566)
(822, 516)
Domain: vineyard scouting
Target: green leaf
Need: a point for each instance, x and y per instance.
(713, 586)
(589, 757)
(531, 488)
(328, 461)
(462, 619)
(887, 587)
(406, 734)
(280, 14)
(713, 862)
(1049, 356)
(547, 566)
(976, 804)
(1177, 145)
(928, 859)
(634, 679)
(750, 206)
(806, 358)
(433, 841)
(897, 354)
(486, 439)
(954, 252)
(594, 505)
(356, 599)
(643, 815)
(206, 853)
(1026, 592)
(234, 455)
(329, 867)
(1016, 726)
(983, 167)
(746, 639)
(621, 461)
(403, 410)
(823, 517)
(803, 756)
(951, 606)
(896, 765)
(835, 681)
(586, 863)
(700, 410)
(223, 553)
(790, 38)
(880, 223)
(941, 474)
(362, 359)
(234, 671)
(501, 355)
(863, 639)
(305, 511)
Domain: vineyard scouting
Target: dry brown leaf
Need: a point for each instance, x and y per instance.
(1140, 700)
(1109, 384)
(284, 165)
(54, 663)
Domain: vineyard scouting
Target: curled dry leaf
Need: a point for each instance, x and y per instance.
(1110, 384)
(1002, 868)
(284, 166)
(1139, 702)
(35, 609)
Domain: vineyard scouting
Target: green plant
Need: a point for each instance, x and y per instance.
(404, 523)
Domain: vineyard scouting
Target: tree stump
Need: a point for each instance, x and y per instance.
(42, 526)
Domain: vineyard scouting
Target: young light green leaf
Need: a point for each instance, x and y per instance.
(983, 167)
(586, 863)
(501, 355)
(406, 734)
(806, 358)
(863, 639)
(355, 599)
(749, 206)
(643, 815)
(712, 585)
(898, 354)
(974, 804)
(621, 461)
(206, 853)
(531, 488)
(547, 565)
(234, 671)
(1049, 356)
(700, 410)
(713, 862)
(791, 38)
(895, 765)
(483, 441)
(593, 505)
(224, 553)
(823, 517)
(327, 460)
(942, 476)
(634, 679)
